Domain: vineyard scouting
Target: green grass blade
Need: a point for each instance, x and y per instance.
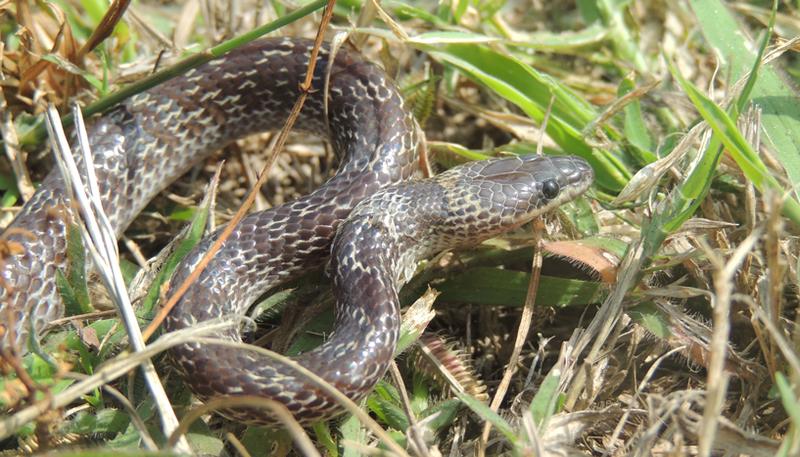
(72, 283)
(612, 14)
(531, 91)
(483, 410)
(185, 242)
(635, 128)
(564, 41)
(735, 143)
(775, 96)
(792, 406)
(501, 287)
(546, 400)
(744, 96)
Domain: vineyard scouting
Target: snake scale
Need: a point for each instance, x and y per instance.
(378, 220)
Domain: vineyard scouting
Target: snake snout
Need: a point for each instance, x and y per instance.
(517, 189)
(571, 174)
(556, 180)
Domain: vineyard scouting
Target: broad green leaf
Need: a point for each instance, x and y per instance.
(448, 412)
(103, 421)
(648, 316)
(203, 441)
(10, 192)
(323, 435)
(389, 413)
(352, 431)
(261, 441)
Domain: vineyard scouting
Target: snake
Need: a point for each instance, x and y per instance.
(371, 223)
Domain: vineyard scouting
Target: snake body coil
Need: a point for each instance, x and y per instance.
(154, 137)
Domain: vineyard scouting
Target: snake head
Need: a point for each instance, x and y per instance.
(500, 194)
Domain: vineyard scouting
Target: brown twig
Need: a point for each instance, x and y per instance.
(526, 317)
(523, 329)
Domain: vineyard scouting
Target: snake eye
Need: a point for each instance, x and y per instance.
(550, 189)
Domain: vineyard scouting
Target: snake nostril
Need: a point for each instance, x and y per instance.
(550, 189)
